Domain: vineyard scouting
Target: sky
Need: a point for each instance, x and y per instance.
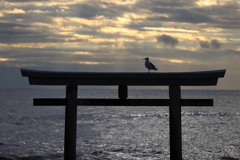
(115, 36)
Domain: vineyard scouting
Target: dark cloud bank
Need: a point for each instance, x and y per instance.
(167, 40)
(212, 44)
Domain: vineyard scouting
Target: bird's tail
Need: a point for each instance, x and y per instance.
(155, 69)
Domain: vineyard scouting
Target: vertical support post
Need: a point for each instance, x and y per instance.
(122, 92)
(175, 123)
(70, 123)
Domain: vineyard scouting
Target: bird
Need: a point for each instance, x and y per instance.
(149, 65)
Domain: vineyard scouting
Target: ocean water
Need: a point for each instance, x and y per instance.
(30, 132)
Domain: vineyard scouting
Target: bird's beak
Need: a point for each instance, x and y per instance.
(144, 58)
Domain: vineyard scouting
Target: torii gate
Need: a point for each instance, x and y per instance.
(123, 79)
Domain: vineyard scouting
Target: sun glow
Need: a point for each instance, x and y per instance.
(92, 63)
(120, 30)
(174, 60)
(32, 45)
(170, 29)
(4, 59)
(207, 2)
(14, 11)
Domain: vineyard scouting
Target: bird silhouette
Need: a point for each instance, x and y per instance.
(149, 65)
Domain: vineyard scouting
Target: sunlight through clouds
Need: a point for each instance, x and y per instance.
(14, 11)
(4, 59)
(173, 60)
(114, 35)
(207, 2)
(93, 63)
(170, 30)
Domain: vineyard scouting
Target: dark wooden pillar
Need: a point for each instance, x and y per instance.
(122, 92)
(175, 123)
(70, 123)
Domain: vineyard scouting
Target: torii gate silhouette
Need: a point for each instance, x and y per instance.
(123, 79)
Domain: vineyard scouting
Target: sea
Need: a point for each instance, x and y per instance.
(30, 132)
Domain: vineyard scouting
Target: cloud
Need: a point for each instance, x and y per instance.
(184, 15)
(85, 10)
(11, 33)
(180, 15)
(176, 11)
(25, 0)
(204, 44)
(213, 44)
(165, 3)
(167, 40)
(232, 4)
(94, 35)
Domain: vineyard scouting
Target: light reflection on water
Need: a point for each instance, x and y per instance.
(119, 132)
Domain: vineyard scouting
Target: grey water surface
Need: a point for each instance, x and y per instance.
(30, 132)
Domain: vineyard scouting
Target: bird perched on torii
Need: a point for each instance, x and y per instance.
(149, 65)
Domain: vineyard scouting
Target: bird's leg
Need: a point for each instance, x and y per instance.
(148, 71)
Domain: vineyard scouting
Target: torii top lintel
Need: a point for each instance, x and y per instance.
(200, 78)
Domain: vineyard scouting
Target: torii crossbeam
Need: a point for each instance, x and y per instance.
(123, 79)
